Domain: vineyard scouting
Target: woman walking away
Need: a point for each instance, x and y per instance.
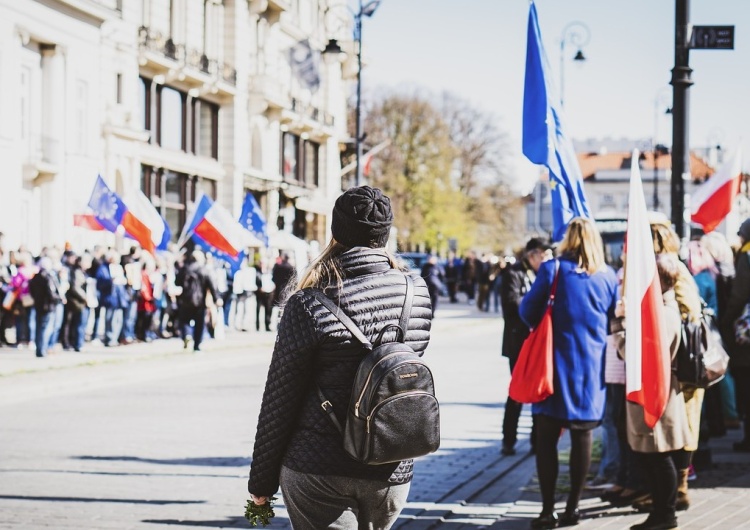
(296, 445)
(666, 241)
(661, 448)
(584, 303)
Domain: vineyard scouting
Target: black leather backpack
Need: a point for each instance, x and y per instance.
(393, 414)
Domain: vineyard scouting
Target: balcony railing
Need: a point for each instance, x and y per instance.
(156, 42)
(312, 112)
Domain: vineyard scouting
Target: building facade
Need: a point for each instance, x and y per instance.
(172, 97)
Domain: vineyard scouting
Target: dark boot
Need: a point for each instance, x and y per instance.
(657, 523)
(683, 501)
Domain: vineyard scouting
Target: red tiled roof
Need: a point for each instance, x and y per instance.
(591, 163)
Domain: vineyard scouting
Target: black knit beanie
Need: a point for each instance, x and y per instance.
(362, 217)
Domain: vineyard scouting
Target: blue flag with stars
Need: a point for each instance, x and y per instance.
(107, 206)
(544, 140)
(253, 219)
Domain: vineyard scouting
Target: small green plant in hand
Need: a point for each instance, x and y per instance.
(259, 513)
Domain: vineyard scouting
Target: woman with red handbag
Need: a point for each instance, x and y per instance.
(584, 302)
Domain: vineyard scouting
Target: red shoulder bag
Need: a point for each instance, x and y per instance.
(532, 378)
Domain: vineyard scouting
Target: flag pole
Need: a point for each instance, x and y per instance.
(186, 234)
(372, 152)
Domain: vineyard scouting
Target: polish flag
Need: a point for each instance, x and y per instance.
(87, 220)
(141, 207)
(213, 225)
(367, 164)
(647, 359)
(111, 212)
(712, 200)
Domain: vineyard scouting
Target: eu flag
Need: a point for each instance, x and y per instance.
(544, 140)
(253, 219)
(107, 206)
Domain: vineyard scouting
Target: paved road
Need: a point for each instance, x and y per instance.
(148, 437)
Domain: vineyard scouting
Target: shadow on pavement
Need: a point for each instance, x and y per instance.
(482, 405)
(229, 461)
(229, 522)
(90, 499)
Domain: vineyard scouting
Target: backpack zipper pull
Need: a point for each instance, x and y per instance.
(356, 409)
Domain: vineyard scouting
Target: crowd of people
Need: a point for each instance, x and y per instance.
(646, 467)
(61, 299)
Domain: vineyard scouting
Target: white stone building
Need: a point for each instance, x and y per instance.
(173, 97)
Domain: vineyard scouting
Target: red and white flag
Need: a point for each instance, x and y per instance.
(88, 221)
(647, 359)
(713, 200)
(367, 164)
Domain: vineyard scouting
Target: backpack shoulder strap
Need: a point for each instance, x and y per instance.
(403, 322)
(328, 408)
(553, 290)
(342, 317)
(349, 324)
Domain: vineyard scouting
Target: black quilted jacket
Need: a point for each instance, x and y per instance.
(313, 346)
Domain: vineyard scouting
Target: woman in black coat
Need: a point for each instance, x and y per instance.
(296, 444)
(433, 277)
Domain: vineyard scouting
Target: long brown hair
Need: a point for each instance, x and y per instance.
(583, 243)
(666, 240)
(325, 270)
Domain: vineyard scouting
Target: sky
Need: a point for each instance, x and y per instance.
(476, 49)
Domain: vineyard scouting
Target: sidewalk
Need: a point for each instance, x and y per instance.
(505, 495)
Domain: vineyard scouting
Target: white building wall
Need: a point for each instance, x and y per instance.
(86, 131)
(56, 50)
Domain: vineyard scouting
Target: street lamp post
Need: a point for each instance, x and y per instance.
(577, 34)
(714, 139)
(681, 83)
(366, 10)
(660, 101)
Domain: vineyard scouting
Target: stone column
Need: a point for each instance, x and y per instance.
(54, 185)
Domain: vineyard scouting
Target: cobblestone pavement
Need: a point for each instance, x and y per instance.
(149, 436)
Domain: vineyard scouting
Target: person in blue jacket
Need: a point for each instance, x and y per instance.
(584, 303)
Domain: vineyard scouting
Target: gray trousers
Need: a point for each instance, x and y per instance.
(315, 502)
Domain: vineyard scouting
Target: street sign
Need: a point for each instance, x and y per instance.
(712, 38)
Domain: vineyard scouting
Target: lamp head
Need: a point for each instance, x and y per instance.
(579, 56)
(370, 7)
(332, 48)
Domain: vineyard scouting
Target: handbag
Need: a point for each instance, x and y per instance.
(532, 377)
(701, 358)
(27, 300)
